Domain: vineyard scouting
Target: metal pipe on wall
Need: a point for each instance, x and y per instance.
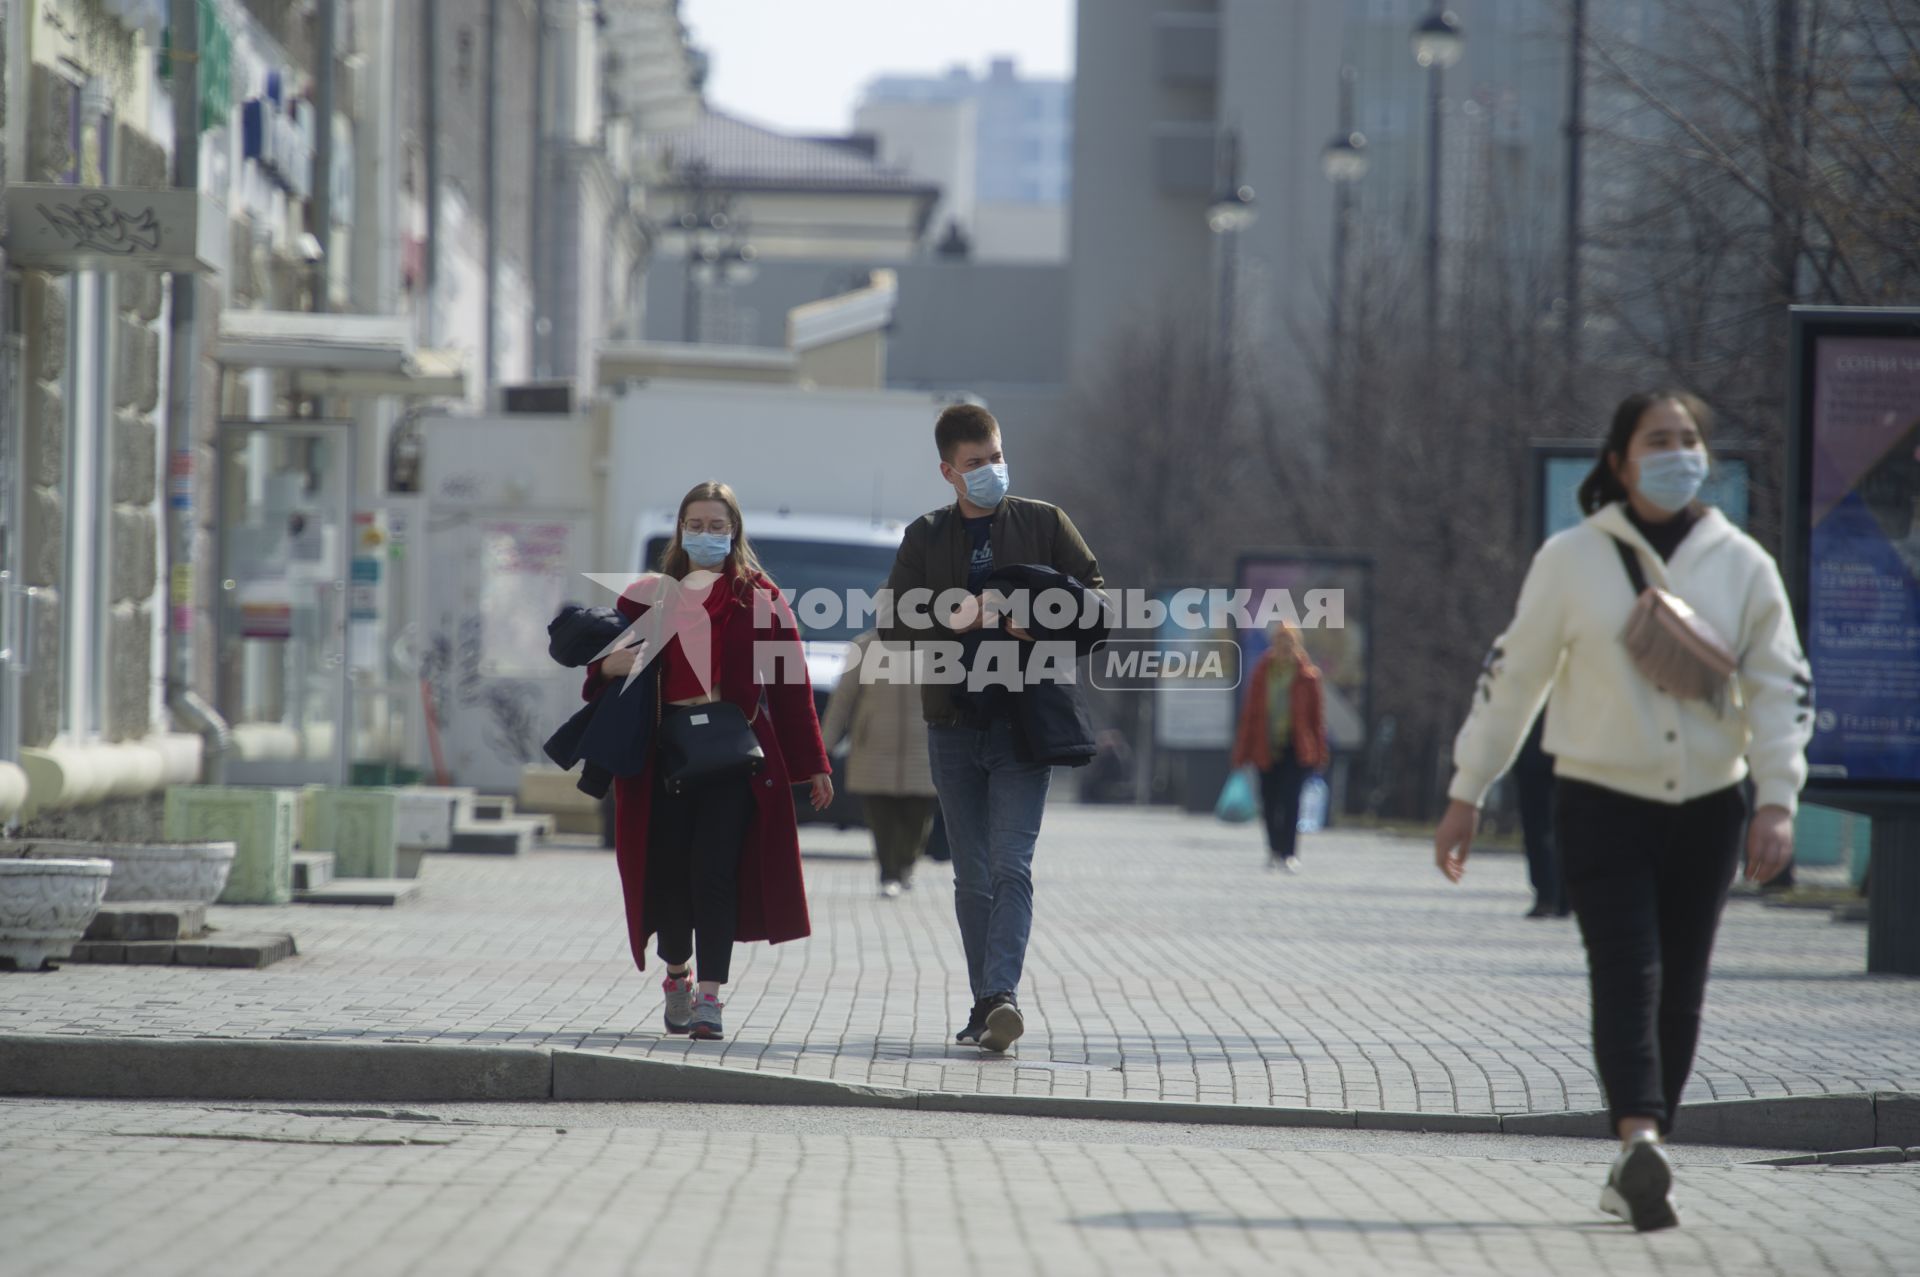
(183, 353)
(542, 324)
(491, 182)
(322, 228)
(430, 85)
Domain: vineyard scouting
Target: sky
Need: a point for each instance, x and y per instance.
(801, 64)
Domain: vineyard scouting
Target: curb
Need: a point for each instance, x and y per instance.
(76, 1067)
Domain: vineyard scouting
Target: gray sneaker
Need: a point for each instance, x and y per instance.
(1640, 1187)
(706, 1018)
(679, 1003)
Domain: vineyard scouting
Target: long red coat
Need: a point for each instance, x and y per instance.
(772, 892)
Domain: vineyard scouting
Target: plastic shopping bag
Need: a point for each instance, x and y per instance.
(1313, 805)
(1237, 803)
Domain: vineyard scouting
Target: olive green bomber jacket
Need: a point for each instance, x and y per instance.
(934, 556)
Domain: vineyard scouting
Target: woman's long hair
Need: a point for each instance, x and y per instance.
(742, 564)
(1602, 487)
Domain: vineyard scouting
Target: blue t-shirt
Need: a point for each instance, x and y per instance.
(980, 565)
(981, 705)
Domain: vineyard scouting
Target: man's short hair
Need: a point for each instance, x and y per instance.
(963, 423)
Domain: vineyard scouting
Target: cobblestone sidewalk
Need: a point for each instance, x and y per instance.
(164, 1190)
(1166, 964)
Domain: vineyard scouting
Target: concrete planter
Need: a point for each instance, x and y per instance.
(260, 824)
(195, 872)
(46, 905)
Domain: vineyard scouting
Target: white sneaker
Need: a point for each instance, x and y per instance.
(890, 890)
(1640, 1186)
(1293, 864)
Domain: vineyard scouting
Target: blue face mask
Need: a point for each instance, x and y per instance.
(707, 549)
(987, 485)
(1671, 479)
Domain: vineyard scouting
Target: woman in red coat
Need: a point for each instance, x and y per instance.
(719, 860)
(1283, 733)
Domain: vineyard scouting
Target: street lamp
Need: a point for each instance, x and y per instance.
(1344, 161)
(1231, 211)
(1345, 158)
(1438, 43)
(1438, 40)
(716, 254)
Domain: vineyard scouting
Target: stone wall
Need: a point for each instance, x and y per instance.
(136, 546)
(131, 529)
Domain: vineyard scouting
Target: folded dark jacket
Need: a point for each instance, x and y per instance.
(1050, 717)
(612, 733)
(578, 635)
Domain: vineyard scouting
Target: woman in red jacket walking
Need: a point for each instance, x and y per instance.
(718, 860)
(1283, 734)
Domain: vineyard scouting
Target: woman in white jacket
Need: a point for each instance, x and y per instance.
(1648, 812)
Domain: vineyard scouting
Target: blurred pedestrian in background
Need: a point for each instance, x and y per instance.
(888, 766)
(1650, 744)
(1283, 735)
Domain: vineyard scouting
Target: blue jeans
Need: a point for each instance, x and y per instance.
(992, 803)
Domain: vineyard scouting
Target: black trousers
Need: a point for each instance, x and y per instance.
(693, 863)
(1280, 787)
(900, 824)
(1648, 882)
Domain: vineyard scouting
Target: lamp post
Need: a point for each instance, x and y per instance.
(716, 250)
(1437, 44)
(1344, 160)
(1231, 211)
(1576, 129)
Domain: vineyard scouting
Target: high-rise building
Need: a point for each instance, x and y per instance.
(998, 144)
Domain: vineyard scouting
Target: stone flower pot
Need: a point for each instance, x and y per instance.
(191, 871)
(45, 905)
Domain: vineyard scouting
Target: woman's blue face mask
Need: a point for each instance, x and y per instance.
(707, 549)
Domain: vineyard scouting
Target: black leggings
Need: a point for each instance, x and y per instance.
(1647, 881)
(1280, 788)
(693, 863)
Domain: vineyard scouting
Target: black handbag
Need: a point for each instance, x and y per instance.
(711, 741)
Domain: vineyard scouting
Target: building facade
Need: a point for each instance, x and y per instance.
(343, 272)
(1169, 94)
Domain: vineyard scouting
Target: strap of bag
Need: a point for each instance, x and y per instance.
(1632, 562)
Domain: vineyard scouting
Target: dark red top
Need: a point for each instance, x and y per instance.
(679, 679)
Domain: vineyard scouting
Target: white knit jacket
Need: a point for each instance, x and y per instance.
(1606, 724)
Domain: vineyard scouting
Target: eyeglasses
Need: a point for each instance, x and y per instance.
(718, 528)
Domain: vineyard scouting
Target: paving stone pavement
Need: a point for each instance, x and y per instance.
(174, 1189)
(1166, 964)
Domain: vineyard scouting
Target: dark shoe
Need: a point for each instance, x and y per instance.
(1541, 909)
(976, 1025)
(1004, 1024)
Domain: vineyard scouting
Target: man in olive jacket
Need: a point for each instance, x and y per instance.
(991, 799)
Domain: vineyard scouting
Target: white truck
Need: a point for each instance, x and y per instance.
(520, 509)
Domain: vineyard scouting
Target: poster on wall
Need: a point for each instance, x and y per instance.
(1342, 648)
(1857, 576)
(1197, 712)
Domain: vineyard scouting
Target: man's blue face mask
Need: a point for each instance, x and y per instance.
(987, 485)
